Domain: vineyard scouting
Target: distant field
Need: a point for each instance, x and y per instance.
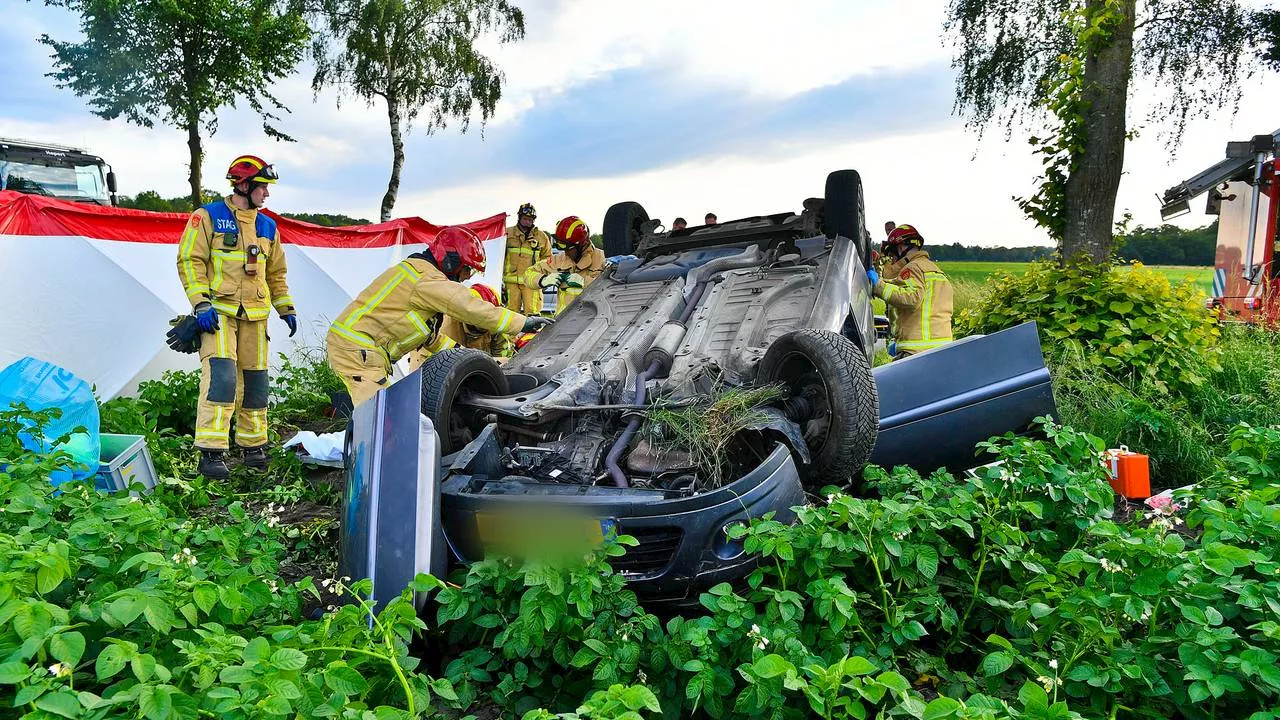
(978, 272)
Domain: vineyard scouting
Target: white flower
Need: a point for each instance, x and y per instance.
(755, 629)
(134, 498)
(831, 499)
(764, 641)
(60, 670)
(1053, 664)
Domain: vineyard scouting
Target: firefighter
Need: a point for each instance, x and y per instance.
(404, 307)
(460, 334)
(569, 271)
(526, 246)
(920, 295)
(232, 267)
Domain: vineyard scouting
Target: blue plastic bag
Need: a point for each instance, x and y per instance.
(43, 385)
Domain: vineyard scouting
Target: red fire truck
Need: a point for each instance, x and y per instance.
(1244, 192)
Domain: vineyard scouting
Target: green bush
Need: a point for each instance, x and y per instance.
(1130, 322)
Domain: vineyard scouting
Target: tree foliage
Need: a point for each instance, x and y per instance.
(419, 58)
(178, 62)
(1066, 66)
(152, 201)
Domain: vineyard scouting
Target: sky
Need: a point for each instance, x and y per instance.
(685, 106)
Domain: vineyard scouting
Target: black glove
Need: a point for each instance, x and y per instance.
(292, 321)
(184, 336)
(564, 278)
(534, 323)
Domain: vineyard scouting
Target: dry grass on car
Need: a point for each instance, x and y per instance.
(705, 430)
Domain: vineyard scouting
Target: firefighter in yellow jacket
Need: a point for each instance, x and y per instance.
(459, 334)
(404, 307)
(526, 246)
(232, 267)
(569, 271)
(920, 294)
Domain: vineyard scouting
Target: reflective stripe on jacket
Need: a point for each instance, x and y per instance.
(589, 266)
(212, 256)
(403, 308)
(922, 299)
(523, 250)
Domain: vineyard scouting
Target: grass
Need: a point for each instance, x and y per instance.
(1181, 433)
(977, 272)
(705, 430)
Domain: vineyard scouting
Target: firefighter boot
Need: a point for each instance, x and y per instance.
(213, 464)
(256, 457)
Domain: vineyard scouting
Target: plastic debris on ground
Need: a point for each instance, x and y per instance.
(42, 385)
(324, 449)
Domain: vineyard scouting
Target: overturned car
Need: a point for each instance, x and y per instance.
(711, 378)
(714, 375)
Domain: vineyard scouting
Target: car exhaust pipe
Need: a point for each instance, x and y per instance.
(619, 445)
(665, 345)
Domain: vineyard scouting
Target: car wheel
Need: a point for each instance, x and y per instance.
(843, 211)
(622, 228)
(447, 374)
(840, 412)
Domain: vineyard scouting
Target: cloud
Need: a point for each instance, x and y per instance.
(741, 108)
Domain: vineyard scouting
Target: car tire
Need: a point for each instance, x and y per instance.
(446, 374)
(843, 212)
(834, 376)
(622, 228)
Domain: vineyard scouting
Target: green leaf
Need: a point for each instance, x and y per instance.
(64, 703)
(67, 647)
(126, 609)
(289, 659)
(284, 688)
(48, 579)
(12, 673)
(237, 675)
(27, 694)
(205, 597)
(144, 666)
(277, 705)
(771, 665)
(927, 561)
(257, 649)
(155, 702)
(150, 558)
(858, 665)
(110, 661)
(1039, 610)
(996, 663)
(894, 681)
(346, 680)
(1194, 614)
(939, 708)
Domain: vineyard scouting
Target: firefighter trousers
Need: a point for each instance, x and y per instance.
(364, 371)
(233, 384)
(524, 300)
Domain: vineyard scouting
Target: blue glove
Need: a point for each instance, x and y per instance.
(292, 321)
(206, 318)
(873, 276)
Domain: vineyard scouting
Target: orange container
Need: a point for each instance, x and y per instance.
(1129, 473)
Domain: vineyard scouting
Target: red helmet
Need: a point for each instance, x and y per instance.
(456, 247)
(251, 168)
(523, 339)
(572, 231)
(486, 293)
(903, 235)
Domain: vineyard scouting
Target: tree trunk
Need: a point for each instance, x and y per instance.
(397, 159)
(197, 159)
(1091, 189)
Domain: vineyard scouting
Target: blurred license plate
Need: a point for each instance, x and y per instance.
(529, 531)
